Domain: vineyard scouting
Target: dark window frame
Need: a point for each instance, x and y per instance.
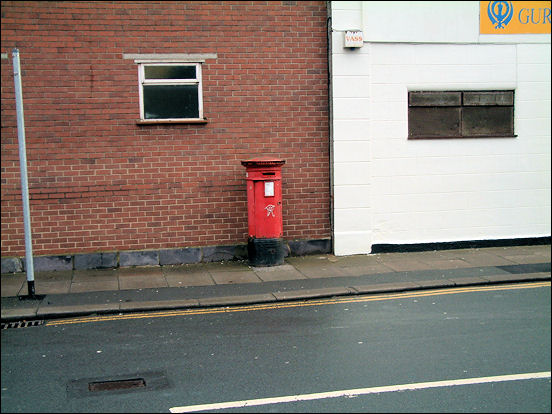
(459, 114)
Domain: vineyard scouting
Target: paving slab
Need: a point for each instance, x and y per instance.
(52, 287)
(187, 275)
(436, 260)
(278, 273)
(235, 276)
(187, 279)
(525, 259)
(476, 257)
(316, 266)
(94, 275)
(227, 266)
(13, 284)
(399, 263)
(94, 286)
(354, 260)
(522, 253)
(149, 271)
(141, 277)
(142, 282)
(323, 272)
(53, 276)
(369, 269)
(452, 273)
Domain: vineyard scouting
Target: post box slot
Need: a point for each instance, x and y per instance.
(269, 173)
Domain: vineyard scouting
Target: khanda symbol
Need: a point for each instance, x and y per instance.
(500, 13)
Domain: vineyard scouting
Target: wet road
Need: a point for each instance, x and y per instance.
(287, 352)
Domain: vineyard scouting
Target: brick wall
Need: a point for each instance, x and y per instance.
(98, 181)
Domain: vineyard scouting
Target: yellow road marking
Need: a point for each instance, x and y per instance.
(292, 304)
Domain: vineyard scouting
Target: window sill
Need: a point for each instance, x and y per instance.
(466, 137)
(170, 121)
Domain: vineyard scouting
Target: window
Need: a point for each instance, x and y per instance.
(170, 92)
(460, 114)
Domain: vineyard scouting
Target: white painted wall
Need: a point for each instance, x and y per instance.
(388, 189)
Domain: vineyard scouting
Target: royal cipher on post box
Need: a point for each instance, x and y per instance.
(265, 246)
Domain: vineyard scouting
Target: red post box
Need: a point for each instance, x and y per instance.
(265, 246)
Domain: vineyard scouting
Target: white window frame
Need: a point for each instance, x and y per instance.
(143, 81)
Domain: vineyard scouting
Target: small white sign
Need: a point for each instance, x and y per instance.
(354, 39)
(269, 189)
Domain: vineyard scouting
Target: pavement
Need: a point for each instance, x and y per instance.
(72, 293)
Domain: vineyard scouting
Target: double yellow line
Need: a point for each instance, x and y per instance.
(291, 304)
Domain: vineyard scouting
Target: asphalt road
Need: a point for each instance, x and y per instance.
(289, 351)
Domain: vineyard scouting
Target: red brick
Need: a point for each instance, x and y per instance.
(99, 181)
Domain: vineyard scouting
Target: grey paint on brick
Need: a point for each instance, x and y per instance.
(147, 258)
(11, 265)
(240, 251)
(218, 253)
(109, 260)
(87, 261)
(179, 256)
(287, 249)
(52, 263)
(304, 247)
(155, 258)
(95, 261)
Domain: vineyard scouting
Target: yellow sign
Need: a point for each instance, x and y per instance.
(514, 17)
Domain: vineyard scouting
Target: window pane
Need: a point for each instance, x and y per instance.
(489, 98)
(171, 101)
(170, 72)
(487, 121)
(434, 98)
(433, 122)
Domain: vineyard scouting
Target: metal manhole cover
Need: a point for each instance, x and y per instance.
(116, 385)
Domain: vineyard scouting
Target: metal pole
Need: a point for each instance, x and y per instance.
(23, 168)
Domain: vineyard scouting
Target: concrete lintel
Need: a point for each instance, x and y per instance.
(169, 57)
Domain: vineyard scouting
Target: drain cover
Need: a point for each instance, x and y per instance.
(130, 382)
(21, 324)
(116, 385)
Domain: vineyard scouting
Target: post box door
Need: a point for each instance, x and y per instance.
(268, 209)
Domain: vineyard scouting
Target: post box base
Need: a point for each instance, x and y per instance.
(265, 252)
